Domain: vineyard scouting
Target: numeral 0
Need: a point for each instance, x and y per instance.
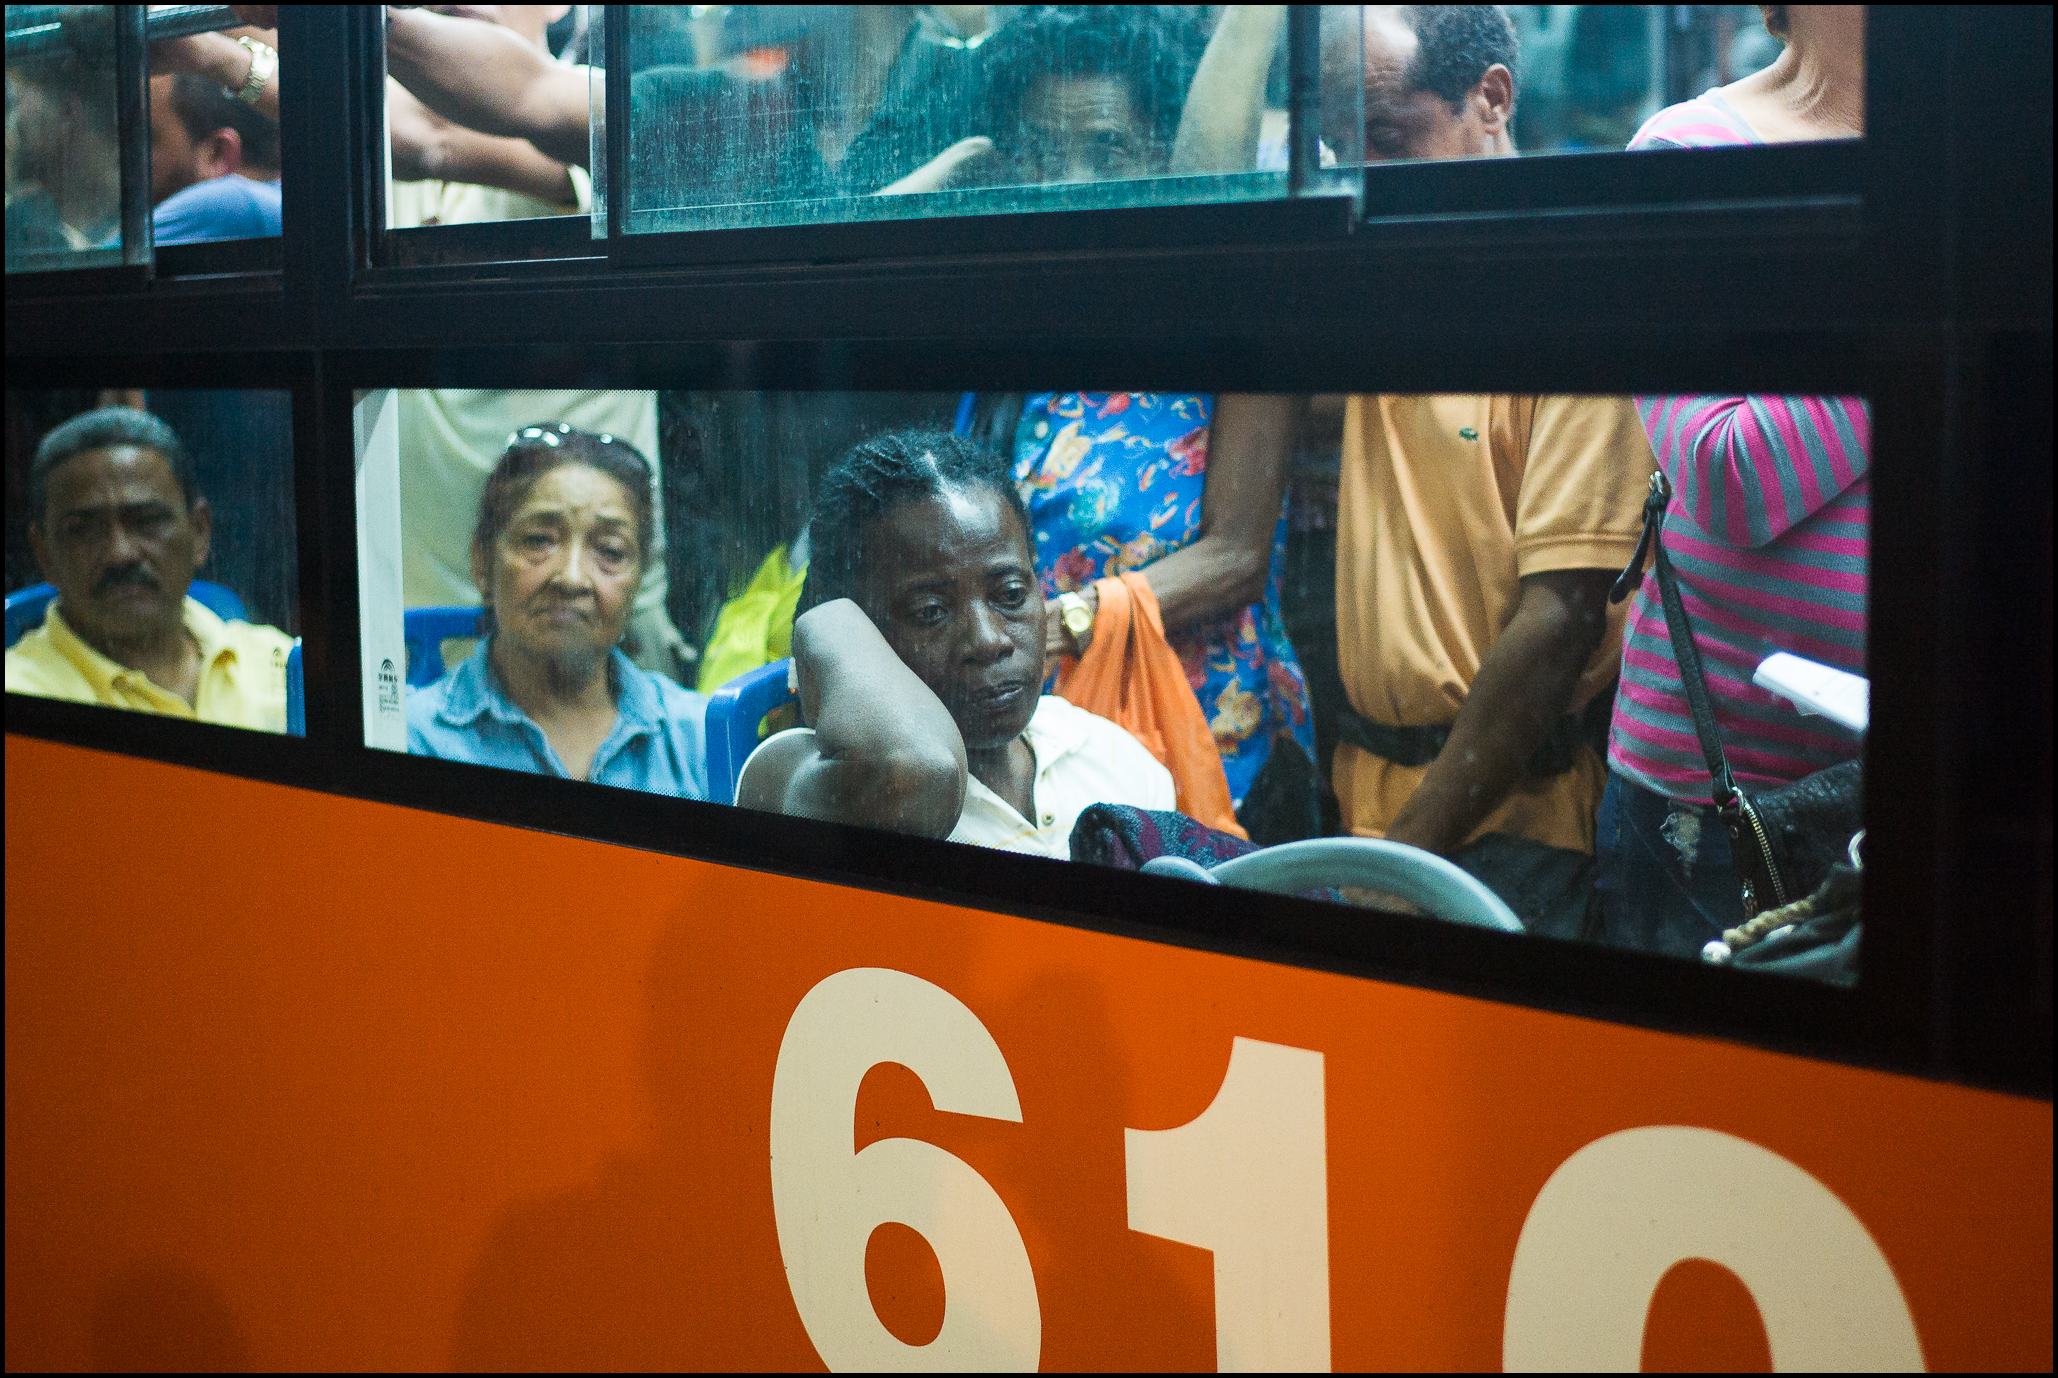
(1616, 1216)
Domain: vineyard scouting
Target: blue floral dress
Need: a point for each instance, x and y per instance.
(1114, 482)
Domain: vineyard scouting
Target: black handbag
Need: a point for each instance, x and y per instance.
(1816, 937)
(1784, 841)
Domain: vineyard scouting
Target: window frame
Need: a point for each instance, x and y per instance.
(1304, 212)
(255, 261)
(1885, 1021)
(1798, 289)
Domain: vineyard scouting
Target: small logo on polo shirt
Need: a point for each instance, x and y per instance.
(1467, 433)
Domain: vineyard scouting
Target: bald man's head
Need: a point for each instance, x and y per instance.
(1439, 80)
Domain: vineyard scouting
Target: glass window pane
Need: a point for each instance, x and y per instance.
(994, 612)
(766, 114)
(486, 113)
(214, 136)
(1458, 81)
(152, 554)
(1596, 74)
(64, 142)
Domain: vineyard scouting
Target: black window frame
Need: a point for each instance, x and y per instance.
(246, 264)
(132, 107)
(1916, 284)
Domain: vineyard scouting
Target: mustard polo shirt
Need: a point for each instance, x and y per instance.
(242, 672)
(1446, 503)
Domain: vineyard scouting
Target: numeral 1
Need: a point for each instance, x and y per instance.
(1248, 1179)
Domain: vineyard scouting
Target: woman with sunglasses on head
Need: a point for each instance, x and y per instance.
(564, 532)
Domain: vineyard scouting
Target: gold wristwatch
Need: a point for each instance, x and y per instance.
(1076, 618)
(264, 65)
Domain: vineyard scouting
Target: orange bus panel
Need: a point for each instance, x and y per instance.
(300, 1081)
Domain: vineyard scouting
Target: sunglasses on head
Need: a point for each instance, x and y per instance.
(552, 433)
(555, 433)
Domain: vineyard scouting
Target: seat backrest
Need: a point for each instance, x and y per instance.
(27, 607)
(426, 629)
(734, 713)
(1423, 879)
(219, 599)
(296, 692)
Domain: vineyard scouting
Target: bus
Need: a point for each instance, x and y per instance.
(392, 391)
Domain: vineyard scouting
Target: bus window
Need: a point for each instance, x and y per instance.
(764, 115)
(1120, 626)
(462, 150)
(214, 136)
(64, 140)
(151, 553)
(202, 149)
(745, 115)
(1459, 81)
(1591, 75)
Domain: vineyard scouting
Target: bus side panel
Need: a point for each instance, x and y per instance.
(302, 1081)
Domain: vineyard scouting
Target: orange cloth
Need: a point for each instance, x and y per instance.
(1131, 675)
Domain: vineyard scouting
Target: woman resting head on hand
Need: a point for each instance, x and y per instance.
(919, 652)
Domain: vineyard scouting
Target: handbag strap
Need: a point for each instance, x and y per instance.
(1680, 631)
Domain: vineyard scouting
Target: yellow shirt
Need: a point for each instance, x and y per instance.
(242, 672)
(1446, 503)
(756, 626)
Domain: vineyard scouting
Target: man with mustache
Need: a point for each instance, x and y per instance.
(116, 524)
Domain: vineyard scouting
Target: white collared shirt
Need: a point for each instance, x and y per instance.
(1081, 759)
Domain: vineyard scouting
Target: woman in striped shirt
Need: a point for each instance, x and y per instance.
(1768, 533)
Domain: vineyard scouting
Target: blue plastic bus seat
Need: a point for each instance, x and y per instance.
(734, 713)
(26, 607)
(296, 693)
(219, 599)
(1423, 879)
(426, 629)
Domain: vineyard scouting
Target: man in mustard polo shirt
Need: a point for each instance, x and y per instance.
(1476, 536)
(116, 525)
(1476, 539)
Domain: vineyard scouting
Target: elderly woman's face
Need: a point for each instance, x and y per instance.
(562, 575)
(949, 581)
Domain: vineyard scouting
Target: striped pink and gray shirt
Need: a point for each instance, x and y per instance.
(1769, 531)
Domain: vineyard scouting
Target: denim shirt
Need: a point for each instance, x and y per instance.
(659, 741)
